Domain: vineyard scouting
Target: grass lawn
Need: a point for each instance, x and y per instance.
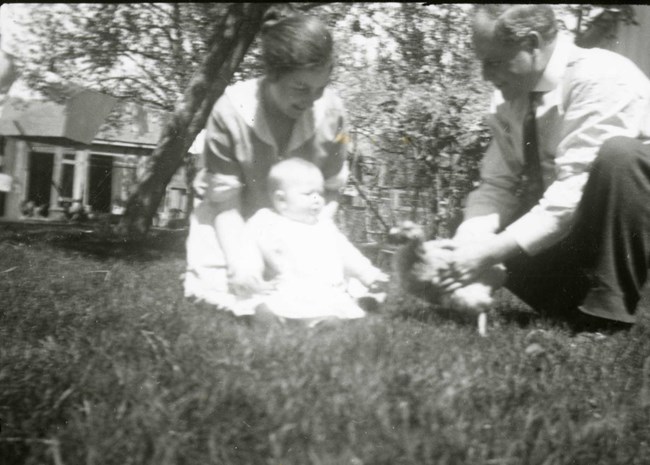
(102, 361)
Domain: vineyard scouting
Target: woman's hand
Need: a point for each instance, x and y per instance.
(245, 279)
(244, 259)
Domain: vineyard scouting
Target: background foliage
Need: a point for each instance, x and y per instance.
(143, 52)
(406, 72)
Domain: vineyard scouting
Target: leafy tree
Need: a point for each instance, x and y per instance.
(232, 37)
(148, 53)
(139, 52)
(142, 52)
(415, 108)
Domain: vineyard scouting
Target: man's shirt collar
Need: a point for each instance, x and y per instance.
(556, 67)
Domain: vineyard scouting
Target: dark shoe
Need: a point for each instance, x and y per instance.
(369, 304)
(263, 315)
(602, 302)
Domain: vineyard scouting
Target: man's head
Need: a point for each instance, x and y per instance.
(514, 44)
(296, 188)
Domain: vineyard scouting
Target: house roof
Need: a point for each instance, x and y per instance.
(77, 119)
(81, 116)
(136, 124)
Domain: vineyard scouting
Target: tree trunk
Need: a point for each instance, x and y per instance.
(232, 38)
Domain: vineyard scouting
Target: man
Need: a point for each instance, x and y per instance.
(564, 200)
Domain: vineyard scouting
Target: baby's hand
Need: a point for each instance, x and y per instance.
(329, 211)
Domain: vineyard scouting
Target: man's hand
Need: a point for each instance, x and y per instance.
(471, 259)
(468, 262)
(434, 260)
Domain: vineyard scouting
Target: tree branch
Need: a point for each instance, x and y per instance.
(235, 33)
(160, 94)
(154, 79)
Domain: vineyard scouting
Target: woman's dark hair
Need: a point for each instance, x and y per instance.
(292, 41)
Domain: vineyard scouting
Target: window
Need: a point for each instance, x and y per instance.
(66, 183)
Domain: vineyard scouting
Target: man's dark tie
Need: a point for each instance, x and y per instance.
(532, 187)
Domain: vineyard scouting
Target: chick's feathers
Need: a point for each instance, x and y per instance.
(418, 265)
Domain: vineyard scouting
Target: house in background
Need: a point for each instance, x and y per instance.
(55, 156)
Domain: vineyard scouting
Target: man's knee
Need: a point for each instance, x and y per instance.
(618, 154)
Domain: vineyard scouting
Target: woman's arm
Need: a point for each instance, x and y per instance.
(245, 264)
(222, 187)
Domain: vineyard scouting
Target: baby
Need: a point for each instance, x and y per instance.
(310, 261)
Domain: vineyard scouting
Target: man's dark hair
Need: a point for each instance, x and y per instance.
(513, 22)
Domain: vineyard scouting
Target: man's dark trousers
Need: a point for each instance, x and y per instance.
(602, 265)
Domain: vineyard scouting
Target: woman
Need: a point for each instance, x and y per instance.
(289, 112)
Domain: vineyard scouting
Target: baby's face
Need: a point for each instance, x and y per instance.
(304, 201)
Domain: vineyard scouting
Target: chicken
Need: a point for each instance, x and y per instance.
(418, 263)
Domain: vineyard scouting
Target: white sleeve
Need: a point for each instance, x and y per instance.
(601, 107)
